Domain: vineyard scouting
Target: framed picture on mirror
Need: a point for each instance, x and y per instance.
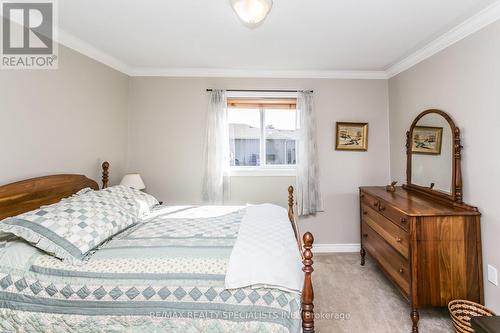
(427, 140)
(351, 136)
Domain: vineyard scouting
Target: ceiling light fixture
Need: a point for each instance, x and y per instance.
(252, 12)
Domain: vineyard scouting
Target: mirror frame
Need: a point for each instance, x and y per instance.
(456, 195)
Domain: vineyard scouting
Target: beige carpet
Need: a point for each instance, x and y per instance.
(356, 299)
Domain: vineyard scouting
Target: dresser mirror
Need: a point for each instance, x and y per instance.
(433, 156)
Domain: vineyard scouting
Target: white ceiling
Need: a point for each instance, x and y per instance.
(151, 36)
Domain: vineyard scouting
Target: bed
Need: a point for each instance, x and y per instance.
(180, 269)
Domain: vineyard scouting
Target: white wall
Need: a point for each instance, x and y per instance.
(62, 121)
(260, 190)
(167, 131)
(464, 81)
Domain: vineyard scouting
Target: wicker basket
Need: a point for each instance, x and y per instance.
(461, 313)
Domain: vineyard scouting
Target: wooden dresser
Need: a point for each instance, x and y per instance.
(430, 250)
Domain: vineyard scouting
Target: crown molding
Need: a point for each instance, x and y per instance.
(68, 40)
(244, 73)
(485, 17)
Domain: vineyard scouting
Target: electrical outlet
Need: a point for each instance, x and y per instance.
(492, 275)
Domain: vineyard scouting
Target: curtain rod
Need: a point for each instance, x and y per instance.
(260, 90)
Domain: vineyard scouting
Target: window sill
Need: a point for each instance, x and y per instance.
(262, 172)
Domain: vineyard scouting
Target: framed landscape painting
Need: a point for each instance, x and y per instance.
(427, 140)
(351, 136)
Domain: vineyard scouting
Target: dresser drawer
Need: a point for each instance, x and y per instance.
(396, 266)
(393, 234)
(369, 200)
(394, 215)
(383, 208)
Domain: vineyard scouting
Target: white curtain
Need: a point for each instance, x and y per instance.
(215, 181)
(309, 200)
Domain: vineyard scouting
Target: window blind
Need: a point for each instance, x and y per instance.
(258, 103)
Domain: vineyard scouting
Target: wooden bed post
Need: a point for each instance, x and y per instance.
(307, 291)
(307, 302)
(291, 217)
(290, 203)
(105, 174)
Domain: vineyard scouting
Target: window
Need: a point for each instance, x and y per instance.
(262, 133)
(244, 136)
(280, 128)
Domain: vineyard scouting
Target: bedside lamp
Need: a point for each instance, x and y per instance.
(133, 180)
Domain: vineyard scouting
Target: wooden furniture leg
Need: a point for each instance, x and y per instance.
(414, 318)
(362, 253)
(305, 245)
(307, 291)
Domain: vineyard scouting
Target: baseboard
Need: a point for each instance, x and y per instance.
(336, 248)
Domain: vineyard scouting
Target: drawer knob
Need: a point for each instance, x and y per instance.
(376, 203)
(381, 208)
(365, 212)
(365, 235)
(362, 196)
(401, 270)
(399, 240)
(402, 220)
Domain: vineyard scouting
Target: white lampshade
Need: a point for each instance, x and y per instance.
(133, 180)
(252, 12)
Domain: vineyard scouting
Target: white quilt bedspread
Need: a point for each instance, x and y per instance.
(265, 253)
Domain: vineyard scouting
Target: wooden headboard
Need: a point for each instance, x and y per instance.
(30, 194)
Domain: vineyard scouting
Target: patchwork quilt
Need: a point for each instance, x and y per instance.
(163, 275)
